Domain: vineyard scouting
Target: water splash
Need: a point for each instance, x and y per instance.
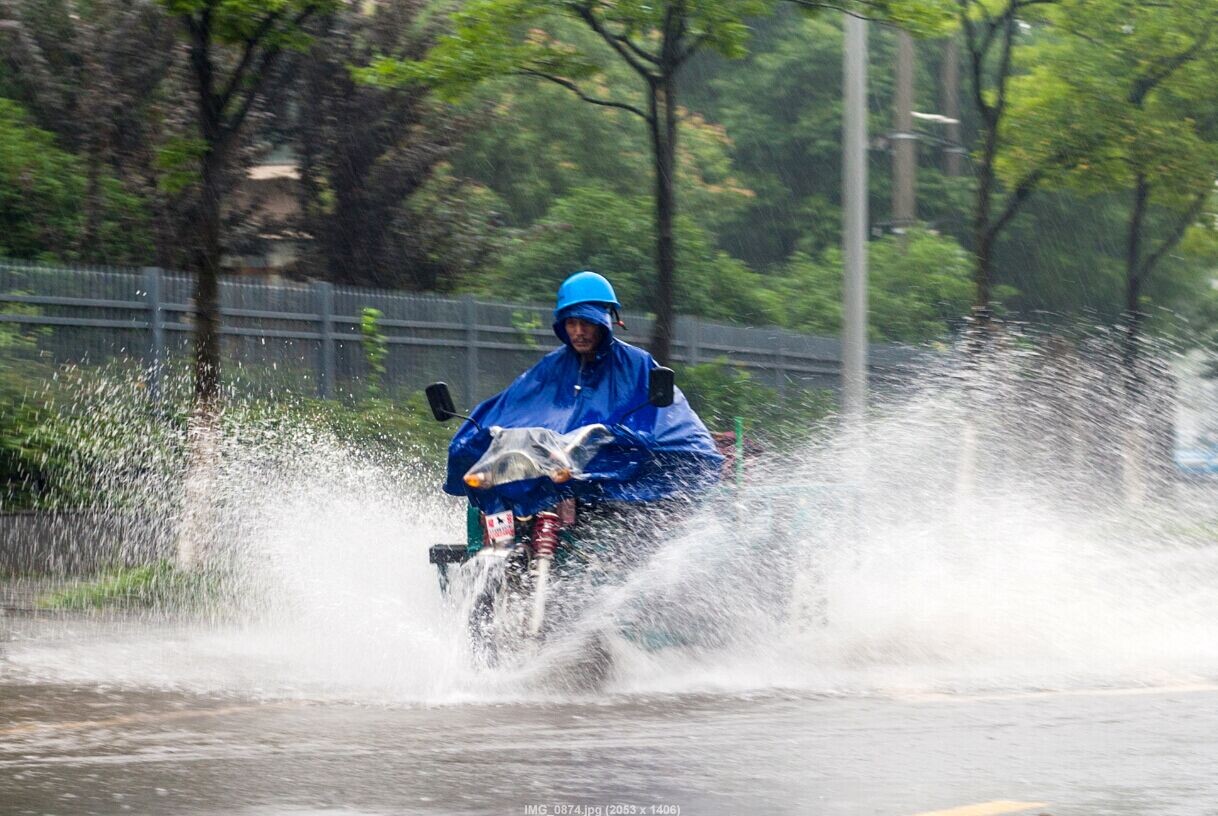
(1027, 569)
(862, 565)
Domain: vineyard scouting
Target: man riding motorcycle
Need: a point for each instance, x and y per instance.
(579, 465)
(656, 454)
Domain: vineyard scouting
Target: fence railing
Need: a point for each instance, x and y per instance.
(307, 336)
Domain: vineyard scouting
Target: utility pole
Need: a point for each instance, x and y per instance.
(949, 103)
(903, 139)
(854, 219)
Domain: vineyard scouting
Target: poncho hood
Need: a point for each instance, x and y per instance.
(591, 312)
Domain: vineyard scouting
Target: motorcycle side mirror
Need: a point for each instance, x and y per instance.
(660, 387)
(441, 401)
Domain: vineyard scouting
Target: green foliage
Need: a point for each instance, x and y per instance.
(491, 39)
(376, 347)
(541, 142)
(396, 429)
(1061, 259)
(1065, 261)
(19, 341)
(1186, 283)
(33, 451)
(72, 438)
(41, 193)
(178, 159)
(40, 449)
(494, 38)
(782, 109)
(158, 585)
(45, 456)
(719, 392)
(452, 229)
(526, 324)
(545, 183)
(262, 22)
(39, 188)
(595, 228)
(1116, 95)
(918, 287)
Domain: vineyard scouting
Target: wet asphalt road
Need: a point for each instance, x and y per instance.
(90, 750)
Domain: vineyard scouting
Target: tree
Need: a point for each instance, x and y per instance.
(92, 74)
(365, 150)
(40, 186)
(234, 48)
(1128, 96)
(596, 228)
(781, 107)
(1121, 107)
(655, 40)
(992, 31)
(918, 287)
(499, 37)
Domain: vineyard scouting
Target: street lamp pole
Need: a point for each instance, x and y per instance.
(854, 219)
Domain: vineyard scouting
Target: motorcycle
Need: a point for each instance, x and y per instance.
(507, 566)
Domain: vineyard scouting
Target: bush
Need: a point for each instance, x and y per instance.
(158, 585)
(720, 392)
(42, 190)
(919, 288)
(598, 229)
(73, 437)
(37, 448)
(401, 427)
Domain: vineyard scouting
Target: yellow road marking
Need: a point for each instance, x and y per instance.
(131, 719)
(984, 809)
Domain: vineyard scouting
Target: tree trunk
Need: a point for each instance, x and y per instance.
(195, 528)
(355, 232)
(206, 246)
(207, 289)
(985, 229)
(1134, 276)
(197, 524)
(983, 235)
(663, 111)
(1135, 437)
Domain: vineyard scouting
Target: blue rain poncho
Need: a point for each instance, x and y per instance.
(655, 453)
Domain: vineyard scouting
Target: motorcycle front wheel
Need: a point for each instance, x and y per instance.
(498, 618)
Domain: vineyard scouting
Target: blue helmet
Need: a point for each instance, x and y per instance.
(586, 287)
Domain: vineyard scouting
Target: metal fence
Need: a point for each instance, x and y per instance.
(306, 337)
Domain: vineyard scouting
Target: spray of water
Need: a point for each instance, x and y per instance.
(975, 535)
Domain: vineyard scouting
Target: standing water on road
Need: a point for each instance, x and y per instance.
(972, 538)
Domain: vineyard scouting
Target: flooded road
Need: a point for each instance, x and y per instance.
(1099, 698)
(904, 648)
(93, 750)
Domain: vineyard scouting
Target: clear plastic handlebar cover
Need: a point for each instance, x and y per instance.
(518, 454)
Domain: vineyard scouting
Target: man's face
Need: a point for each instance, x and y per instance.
(584, 336)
